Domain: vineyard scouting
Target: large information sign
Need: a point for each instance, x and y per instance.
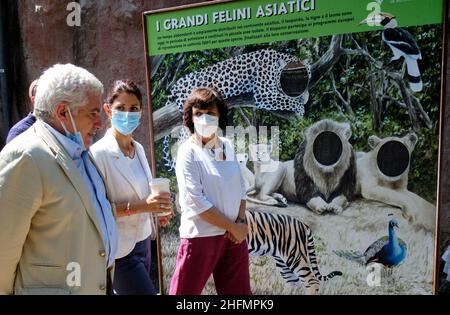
(334, 113)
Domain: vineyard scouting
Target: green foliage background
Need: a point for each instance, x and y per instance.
(350, 74)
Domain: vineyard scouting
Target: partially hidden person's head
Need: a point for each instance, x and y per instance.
(32, 91)
(124, 106)
(204, 111)
(69, 99)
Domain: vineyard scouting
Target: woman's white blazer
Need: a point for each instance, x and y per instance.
(124, 188)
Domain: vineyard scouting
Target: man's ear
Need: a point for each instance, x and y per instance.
(107, 110)
(61, 114)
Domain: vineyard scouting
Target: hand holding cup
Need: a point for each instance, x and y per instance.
(159, 198)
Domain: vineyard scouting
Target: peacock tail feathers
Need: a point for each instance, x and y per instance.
(353, 255)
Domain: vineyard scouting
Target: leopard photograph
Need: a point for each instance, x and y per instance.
(257, 73)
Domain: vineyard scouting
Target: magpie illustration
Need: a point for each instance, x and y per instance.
(402, 44)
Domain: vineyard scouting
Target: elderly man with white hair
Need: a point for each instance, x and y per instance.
(57, 228)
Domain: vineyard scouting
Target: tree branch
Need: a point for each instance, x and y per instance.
(327, 61)
(180, 64)
(393, 100)
(320, 100)
(426, 119)
(247, 121)
(362, 52)
(407, 99)
(156, 61)
(347, 106)
(375, 105)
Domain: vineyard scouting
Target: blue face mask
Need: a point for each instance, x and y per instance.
(125, 122)
(75, 137)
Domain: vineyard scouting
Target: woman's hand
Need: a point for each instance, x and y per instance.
(159, 202)
(238, 233)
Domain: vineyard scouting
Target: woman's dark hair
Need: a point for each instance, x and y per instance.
(126, 86)
(204, 98)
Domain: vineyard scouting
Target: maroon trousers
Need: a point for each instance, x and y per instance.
(199, 257)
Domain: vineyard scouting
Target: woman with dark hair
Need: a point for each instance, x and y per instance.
(124, 167)
(212, 201)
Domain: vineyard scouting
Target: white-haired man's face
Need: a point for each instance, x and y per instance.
(87, 119)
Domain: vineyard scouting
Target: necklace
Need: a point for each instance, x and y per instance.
(128, 152)
(217, 153)
(125, 144)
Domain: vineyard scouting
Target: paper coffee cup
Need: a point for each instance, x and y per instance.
(159, 185)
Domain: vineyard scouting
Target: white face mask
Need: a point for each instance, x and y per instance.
(76, 136)
(206, 125)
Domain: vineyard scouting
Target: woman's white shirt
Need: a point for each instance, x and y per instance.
(205, 182)
(127, 180)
